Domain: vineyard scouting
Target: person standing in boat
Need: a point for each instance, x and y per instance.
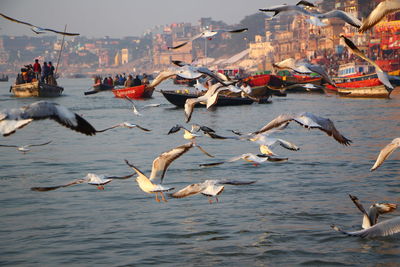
(145, 79)
(45, 72)
(129, 81)
(137, 81)
(51, 79)
(37, 69)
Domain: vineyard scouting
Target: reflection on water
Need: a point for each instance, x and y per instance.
(283, 219)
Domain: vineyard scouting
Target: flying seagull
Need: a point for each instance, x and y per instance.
(386, 152)
(267, 142)
(153, 184)
(134, 109)
(13, 119)
(339, 14)
(25, 148)
(370, 225)
(36, 29)
(308, 120)
(289, 8)
(207, 34)
(188, 135)
(382, 76)
(209, 188)
(381, 10)
(124, 125)
(249, 157)
(91, 178)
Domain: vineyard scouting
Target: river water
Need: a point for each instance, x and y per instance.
(282, 219)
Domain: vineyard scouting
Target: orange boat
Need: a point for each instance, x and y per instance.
(136, 92)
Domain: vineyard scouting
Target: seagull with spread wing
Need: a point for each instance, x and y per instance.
(93, 179)
(25, 148)
(339, 14)
(207, 34)
(266, 142)
(289, 8)
(249, 157)
(36, 29)
(307, 120)
(134, 109)
(124, 125)
(370, 225)
(381, 10)
(209, 188)
(382, 76)
(14, 119)
(153, 184)
(386, 152)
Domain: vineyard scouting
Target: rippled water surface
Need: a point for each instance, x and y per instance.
(282, 219)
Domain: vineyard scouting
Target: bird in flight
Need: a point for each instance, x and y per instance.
(25, 148)
(381, 10)
(386, 152)
(36, 29)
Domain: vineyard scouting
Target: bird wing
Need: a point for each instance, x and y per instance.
(58, 32)
(282, 119)
(385, 228)
(9, 145)
(166, 74)
(235, 182)
(381, 10)
(306, 3)
(382, 76)
(189, 106)
(238, 30)
(184, 43)
(310, 120)
(318, 69)
(188, 190)
(350, 19)
(175, 129)
(17, 21)
(142, 128)
(386, 152)
(133, 106)
(162, 162)
(202, 150)
(120, 177)
(39, 144)
(287, 145)
(49, 188)
(9, 126)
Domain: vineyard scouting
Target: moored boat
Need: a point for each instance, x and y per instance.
(36, 89)
(378, 91)
(4, 78)
(179, 99)
(136, 92)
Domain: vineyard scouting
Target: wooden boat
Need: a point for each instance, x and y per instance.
(4, 78)
(136, 92)
(179, 99)
(36, 89)
(99, 87)
(182, 81)
(378, 91)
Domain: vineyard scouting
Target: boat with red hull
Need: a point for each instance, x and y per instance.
(135, 92)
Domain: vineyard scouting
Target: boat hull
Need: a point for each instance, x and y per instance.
(136, 92)
(179, 99)
(36, 89)
(366, 92)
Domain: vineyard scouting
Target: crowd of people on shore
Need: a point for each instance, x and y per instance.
(122, 80)
(36, 72)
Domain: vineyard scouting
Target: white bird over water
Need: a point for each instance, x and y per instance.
(207, 34)
(381, 10)
(370, 225)
(307, 120)
(37, 29)
(267, 142)
(209, 188)
(386, 152)
(134, 109)
(188, 135)
(153, 184)
(249, 157)
(382, 76)
(25, 148)
(93, 179)
(125, 125)
(13, 119)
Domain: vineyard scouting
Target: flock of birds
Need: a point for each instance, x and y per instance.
(14, 119)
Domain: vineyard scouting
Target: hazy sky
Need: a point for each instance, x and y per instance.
(119, 18)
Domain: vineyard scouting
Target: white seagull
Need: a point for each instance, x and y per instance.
(134, 109)
(124, 125)
(209, 188)
(307, 120)
(386, 152)
(25, 148)
(188, 135)
(13, 119)
(249, 157)
(93, 179)
(381, 10)
(207, 34)
(37, 29)
(153, 184)
(370, 225)
(289, 8)
(267, 142)
(382, 76)
(339, 14)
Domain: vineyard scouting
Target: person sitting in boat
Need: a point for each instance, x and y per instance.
(45, 72)
(116, 80)
(37, 69)
(105, 80)
(137, 81)
(246, 89)
(122, 79)
(110, 81)
(145, 79)
(129, 81)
